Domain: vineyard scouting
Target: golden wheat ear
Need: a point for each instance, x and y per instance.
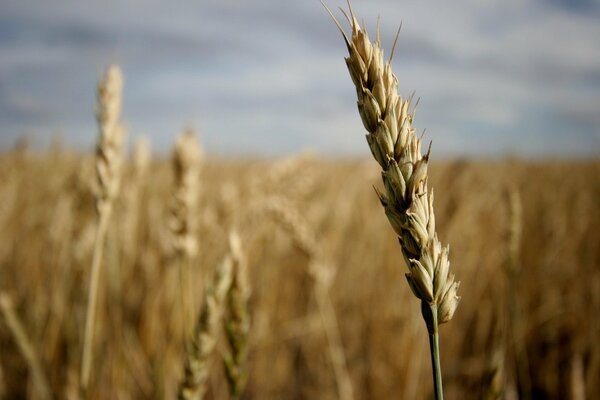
(109, 160)
(183, 222)
(406, 200)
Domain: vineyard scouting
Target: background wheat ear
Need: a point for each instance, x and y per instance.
(186, 161)
(408, 204)
(237, 321)
(109, 160)
(201, 347)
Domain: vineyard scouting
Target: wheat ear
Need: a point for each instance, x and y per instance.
(200, 350)
(388, 119)
(237, 321)
(109, 159)
(186, 167)
(187, 156)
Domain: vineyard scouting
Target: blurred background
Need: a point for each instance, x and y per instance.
(494, 77)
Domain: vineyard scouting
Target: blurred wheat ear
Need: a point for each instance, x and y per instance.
(186, 161)
(200, 349)
(109, 160)
(388, 119)
(237, 321)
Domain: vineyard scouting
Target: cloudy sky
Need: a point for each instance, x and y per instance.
(495, 77)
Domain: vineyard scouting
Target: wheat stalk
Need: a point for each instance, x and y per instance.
(408, 205)
(513, 270)
(24, 343)
(200, 350)
(577, 377)
(109, 161)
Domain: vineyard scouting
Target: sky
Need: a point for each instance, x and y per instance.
(265, 77)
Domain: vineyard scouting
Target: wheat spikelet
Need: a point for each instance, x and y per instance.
(108, 174)
(199, 352)
(237, 321)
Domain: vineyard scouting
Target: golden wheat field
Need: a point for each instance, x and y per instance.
(331, 315)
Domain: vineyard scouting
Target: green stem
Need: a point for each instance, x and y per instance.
(430, 315)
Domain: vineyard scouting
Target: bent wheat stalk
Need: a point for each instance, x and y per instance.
(407, 203)
(109, 161)
(25, 346)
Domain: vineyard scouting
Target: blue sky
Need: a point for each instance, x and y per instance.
(267, 77)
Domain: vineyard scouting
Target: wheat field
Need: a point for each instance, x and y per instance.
(530, 333)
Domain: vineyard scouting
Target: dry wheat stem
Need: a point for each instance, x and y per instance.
(108, 174)
(199, 352)
(513, 269)
(577, 378)
(31, 358)
(388, 119)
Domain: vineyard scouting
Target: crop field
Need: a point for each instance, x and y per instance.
(172, 272)
(330, 312)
